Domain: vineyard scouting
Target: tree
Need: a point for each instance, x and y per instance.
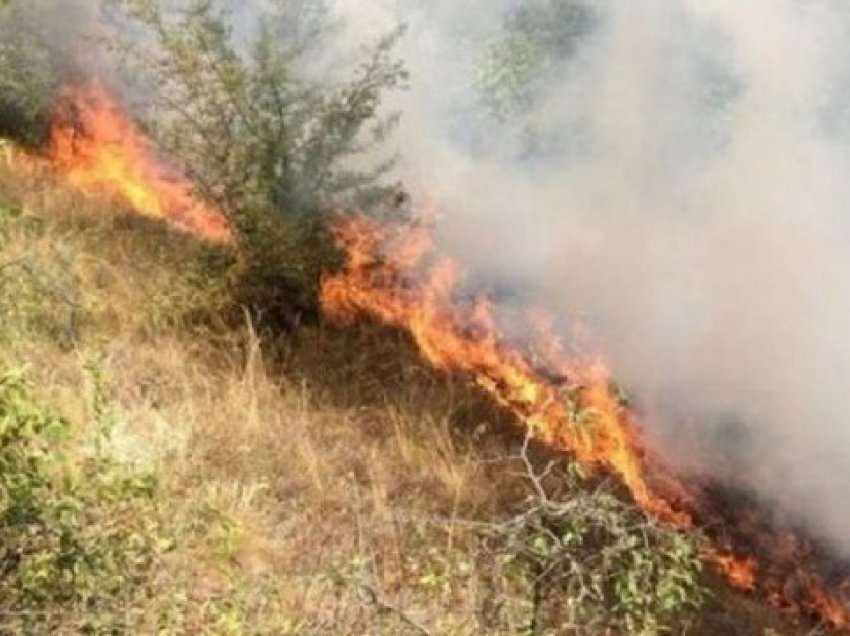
(537, 37)
(28, 72)
(238, 103)
(244, 115)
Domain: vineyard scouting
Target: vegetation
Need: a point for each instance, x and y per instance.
(595, 561)
(540, 43)
(168, 465)
(265, 136)
(535, 49)
(538, 38)
(80, 537)
(273, 141)
(28, 73)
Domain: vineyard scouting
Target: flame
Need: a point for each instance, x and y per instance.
(394, 274)
(466, 338)
(741, 572)
(99, 150)
(821, 603)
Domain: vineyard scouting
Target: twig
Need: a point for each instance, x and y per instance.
(533, 476)
(387, 608)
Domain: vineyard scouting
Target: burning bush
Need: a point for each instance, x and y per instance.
(237, 106)
(266, 137)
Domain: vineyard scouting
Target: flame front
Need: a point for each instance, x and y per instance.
(394, 274)
(582, 415)
(100, 151)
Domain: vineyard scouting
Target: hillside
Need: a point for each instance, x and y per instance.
(215, 477)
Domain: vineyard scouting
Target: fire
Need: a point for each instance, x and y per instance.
(395, 275)
(99, 150)
(741, 572)
(467, 338)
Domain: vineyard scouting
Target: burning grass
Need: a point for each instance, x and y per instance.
(569, 402)
(331, 482)
(98, 149)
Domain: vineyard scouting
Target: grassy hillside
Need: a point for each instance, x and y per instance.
(170, 469)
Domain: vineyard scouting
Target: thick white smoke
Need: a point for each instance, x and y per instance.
(705, 239)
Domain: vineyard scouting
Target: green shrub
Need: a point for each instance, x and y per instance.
(259, 132)
(266, 139)
(594, 563)
(79, 537)
(536, 37)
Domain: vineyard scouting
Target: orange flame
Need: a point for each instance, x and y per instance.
(100, 151)
(583, 417)
(394, 274)
(741, 572)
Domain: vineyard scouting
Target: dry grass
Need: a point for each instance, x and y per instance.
(324, 483)
(327, 489)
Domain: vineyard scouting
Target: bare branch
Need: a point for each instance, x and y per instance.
(384, 607)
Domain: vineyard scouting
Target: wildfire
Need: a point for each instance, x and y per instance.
(394, 274)
(466, 338)
(99, 150)
(741, 572)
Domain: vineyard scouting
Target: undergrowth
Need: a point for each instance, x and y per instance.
(81, 536)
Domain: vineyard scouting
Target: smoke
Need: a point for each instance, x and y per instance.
(684, 192)
(692, 208)
(60, 31)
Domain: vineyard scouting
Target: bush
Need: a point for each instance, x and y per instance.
(257, 129)
(594, 563)
(270, 142)
(537, 38)
(79, 539)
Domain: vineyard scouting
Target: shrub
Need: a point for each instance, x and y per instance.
(595, 563)
(262, 135)
(79, 539)
(257, 129)
(537, 37)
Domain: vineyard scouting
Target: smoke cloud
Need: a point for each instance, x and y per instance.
(695, 215)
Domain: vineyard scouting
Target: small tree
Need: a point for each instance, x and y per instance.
(537, 37)
(276, 146)
(258, 133)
